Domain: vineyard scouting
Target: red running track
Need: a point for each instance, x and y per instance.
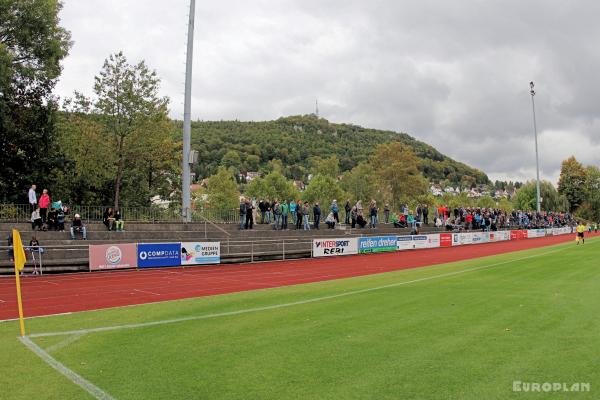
(54, 294)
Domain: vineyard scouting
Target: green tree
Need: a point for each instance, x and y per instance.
(32, 46)
(272, 186)
(326, 167)
(572, 181)
(396, 168)
(222, 190)
(324, 189)
(359, 183)
(525, 199)
(134, 124)
(231, 159)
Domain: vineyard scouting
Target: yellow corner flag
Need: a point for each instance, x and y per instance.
(20, 259)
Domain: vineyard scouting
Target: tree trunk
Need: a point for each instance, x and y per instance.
(119, 173)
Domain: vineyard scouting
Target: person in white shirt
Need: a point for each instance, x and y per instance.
(32, 198)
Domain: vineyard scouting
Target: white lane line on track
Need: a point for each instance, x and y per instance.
(284, 305)
(77, 379)
(146, 292)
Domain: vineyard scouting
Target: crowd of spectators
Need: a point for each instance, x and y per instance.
(300, 214)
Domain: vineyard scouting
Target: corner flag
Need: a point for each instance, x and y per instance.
(19, 252)
(20, 259)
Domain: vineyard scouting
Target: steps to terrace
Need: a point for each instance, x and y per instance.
(262, 243)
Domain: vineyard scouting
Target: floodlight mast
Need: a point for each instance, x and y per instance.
(537, 160)
(186, 197)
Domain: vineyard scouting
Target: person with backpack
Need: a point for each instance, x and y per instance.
(284, 214)
(316, 215)
(347, 209)
(243, 212)
(277, 214)
(249, 215)
(335, 210)
(305, 213)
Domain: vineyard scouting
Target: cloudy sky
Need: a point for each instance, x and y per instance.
(454, 74)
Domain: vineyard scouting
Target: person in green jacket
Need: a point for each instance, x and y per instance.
(284, 214)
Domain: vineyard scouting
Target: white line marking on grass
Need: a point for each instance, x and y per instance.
(282, 305)
(71, 375)
(64, 343)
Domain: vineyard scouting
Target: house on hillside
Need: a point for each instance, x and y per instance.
(250, 176)
(300, 186)
(436, 190)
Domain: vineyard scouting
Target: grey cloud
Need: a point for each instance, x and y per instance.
(454, 74)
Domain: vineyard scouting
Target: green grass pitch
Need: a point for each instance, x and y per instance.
(465, 330)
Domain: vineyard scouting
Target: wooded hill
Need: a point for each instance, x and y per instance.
(296, 140)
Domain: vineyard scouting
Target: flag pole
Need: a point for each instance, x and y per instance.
(20, 302)
(20, 259)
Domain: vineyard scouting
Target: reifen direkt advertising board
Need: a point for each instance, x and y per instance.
(377, 244)
(335, 247)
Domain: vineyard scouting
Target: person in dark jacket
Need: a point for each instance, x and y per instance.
(249, 215)
(317, 215)
(347, 208)
(425, 215)
(243, 212)
(263, 209)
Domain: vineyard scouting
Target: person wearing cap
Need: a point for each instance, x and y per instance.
(77, 226)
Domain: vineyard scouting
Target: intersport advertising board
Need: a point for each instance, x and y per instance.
(335, 247)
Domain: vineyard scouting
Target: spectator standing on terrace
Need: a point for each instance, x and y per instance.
(36, 220)
(347, 209)
(254, 209)
(330, 221)
(293, 211)
(425, 214)
(32, 198)
(268, 211)
(359, 207)
(353, 216)
(44, 204)
(277, 214)
(305, 212)
(405, 211)
(299, 215)
(249, 215)
(335, 210)
(77, 226)
(60, 220)
(418, 213)
(373, 214)
(284, 214)
(243, 212)
(263, 210)
(386, 213)
(317, 215)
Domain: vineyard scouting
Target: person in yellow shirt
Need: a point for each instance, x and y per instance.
(580, 233)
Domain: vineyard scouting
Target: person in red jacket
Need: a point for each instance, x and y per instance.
(44, 203)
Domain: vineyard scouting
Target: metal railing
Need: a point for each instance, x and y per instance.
(20, 213)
